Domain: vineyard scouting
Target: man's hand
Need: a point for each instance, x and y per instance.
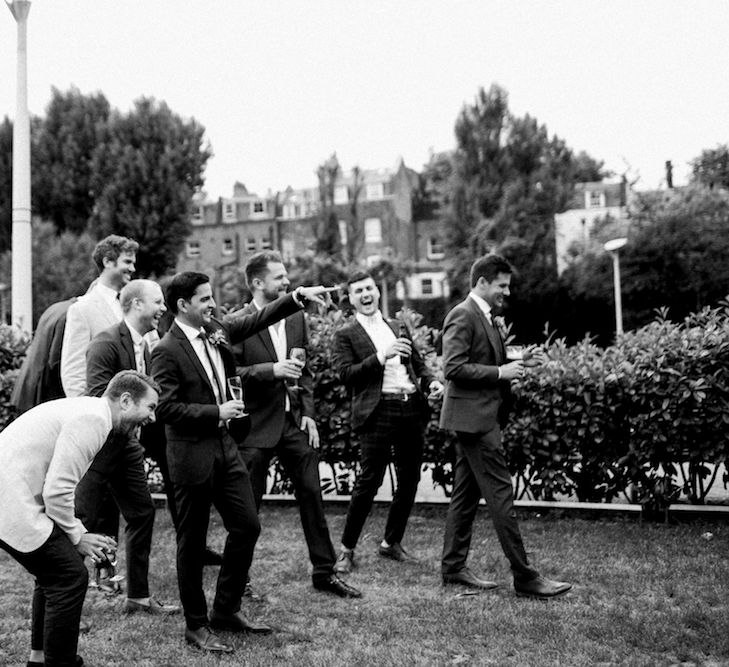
(308, 425)
(533, 356)
(512, 370)
(231, 410)
(316, 294)
(436, 389)
(401, 346)
(290, 369)
(96, 546)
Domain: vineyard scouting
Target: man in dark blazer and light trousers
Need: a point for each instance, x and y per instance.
(476, 405)
(388, 382)
(282, 415)
(191, 364)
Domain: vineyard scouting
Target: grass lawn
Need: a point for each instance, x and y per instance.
(644, 595)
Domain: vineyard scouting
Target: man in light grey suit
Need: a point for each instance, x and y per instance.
(96, 310)
(43, 455)
(476, 406)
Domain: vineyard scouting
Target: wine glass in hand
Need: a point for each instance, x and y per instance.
(298, 354)
(235, 387)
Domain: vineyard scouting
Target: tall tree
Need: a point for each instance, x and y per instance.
(328, 240)
(711, 168)
(145, 173)
(63, 144)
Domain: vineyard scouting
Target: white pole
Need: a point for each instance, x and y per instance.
(22, 291)
(618, 297)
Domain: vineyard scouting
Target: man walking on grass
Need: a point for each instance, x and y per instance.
(476, 405)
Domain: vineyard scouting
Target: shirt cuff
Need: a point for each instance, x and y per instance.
(381, 358)
(498, 369)
(298, 299)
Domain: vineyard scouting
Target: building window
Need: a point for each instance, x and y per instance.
(258, 207)
(193, 249)
(251, 244)
(341, 194)
(375, 191)
(266, 244)
(372, 260)
(228, 247)
(343, 232)
(595, 199)
(426, 287)
(373, 230)
(197, 215)
(228, 211)
(435, 248)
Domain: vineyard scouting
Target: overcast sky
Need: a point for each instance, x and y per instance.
(280, 85)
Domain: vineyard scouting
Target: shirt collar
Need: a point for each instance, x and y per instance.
(191, 332)
(483, 305)
(137, 338)
(107, 292)
(369, 320)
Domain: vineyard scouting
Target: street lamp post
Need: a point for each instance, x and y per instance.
(613, 246)
(22, 292)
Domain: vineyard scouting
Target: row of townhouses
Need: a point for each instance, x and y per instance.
(228, 230)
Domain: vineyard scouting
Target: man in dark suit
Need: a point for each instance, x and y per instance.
(39, 379)
(279, 398)
(119, 466)
(476, 405)
(191, 364)
(388, 381)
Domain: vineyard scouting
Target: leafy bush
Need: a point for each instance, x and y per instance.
(13, 345)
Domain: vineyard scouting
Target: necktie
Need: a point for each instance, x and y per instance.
(219, 384)
(140, 350)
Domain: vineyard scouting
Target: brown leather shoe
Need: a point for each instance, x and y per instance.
(237, 622)
(467, 578)
(344, 563)
(206, 640)
(153, 607)
(541, 588)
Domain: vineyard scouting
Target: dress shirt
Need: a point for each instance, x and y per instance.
(200, 345)
(112, 298)
(395, 379)
(277, 331)
(43, 455)
(139, 344)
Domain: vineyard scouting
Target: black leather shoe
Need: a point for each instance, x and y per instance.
(206, 640)
(32, 663)
(237, 622)
(152, 607)
(333, 584)
(345, 562)
(212, 557)
(396, 552)
(467, 578)
(541, 588)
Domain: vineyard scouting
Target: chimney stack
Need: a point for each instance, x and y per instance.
(669, 175)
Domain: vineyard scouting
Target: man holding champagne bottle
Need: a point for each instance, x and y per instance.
(279, 398)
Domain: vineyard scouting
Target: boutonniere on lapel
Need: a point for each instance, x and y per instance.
(217, 337)
(503, 328)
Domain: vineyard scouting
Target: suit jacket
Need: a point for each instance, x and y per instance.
(43, 455)
(187, 404)
(86, 318)
(264, 394)
(355, 358)
(39, 378)
(475, 400)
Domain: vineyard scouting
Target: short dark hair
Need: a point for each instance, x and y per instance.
(183, 286)
(111, 247)
(132, 382)
(257, 264)
(488, 267)
(356, 276)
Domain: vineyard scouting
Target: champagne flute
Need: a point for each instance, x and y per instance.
(235, 387)
(299, 354)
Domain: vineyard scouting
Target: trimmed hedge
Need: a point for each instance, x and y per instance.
(13, 346)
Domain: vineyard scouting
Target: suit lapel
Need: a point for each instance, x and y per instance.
(491, 333)
(192, 355)
(358, 331)
(128, 346)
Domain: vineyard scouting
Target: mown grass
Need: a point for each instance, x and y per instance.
(645, 594)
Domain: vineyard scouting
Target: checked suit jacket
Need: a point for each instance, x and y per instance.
(187, 404)
(355, 358)
(265, 395)
(475, 400)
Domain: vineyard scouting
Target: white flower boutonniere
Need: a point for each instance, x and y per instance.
(503, 328)
(217, 337)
